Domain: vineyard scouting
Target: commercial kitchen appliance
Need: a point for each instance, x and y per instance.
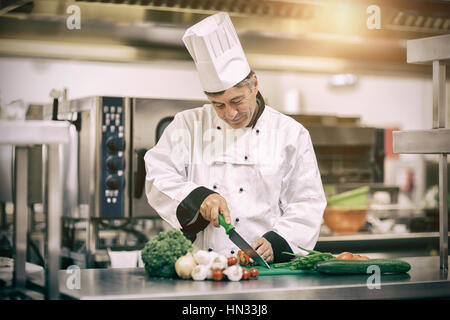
(348, 154)
(103, 166)
(113, 134)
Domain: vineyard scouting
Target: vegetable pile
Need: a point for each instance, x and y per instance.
(203, 265)
(344, 263)
(310, 261)
(161, 253)
(170, 255)
(305, 262)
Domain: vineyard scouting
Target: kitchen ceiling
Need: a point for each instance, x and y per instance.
(324, 36)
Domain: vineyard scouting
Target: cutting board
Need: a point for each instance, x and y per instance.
(263, 271)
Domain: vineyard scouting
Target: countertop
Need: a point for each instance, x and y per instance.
(424, 280)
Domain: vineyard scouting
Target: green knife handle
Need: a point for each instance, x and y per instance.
(228, 227)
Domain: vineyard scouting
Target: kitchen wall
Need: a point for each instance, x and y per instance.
(383, 101)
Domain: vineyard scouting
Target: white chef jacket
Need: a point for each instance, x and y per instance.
(267, 173)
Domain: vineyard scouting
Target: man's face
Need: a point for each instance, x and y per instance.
(236, 106)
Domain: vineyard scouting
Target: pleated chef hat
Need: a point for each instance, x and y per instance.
(218, 55)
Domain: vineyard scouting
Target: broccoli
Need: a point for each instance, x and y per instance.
(160, 254)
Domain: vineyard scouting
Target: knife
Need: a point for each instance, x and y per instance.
(241, 243)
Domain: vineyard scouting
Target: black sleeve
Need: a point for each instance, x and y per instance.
(187, 210)
(279, 245)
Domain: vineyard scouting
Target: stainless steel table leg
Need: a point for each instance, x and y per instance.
(20, 217)
(443, 211)
(439, 95)
(53, 223)
(440, 121)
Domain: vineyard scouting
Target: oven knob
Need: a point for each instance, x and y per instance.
(114, 163)
(115, 144)
(113, 182)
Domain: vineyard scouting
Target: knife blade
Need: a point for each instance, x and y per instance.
(241, 243)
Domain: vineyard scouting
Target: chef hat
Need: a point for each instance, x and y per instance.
(218, 55)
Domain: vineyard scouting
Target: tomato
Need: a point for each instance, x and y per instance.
(245, 274)
(358, 257)
(232, 260)
(217, 274)
(254, 272)
(244, 259)
(345, 256)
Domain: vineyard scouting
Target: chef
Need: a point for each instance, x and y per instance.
(236, 156)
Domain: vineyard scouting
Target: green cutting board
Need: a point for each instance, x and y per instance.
(263, 271)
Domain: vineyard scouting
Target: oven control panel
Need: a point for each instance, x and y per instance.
(112, 157)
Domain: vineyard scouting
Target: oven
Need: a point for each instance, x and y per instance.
(103, 168)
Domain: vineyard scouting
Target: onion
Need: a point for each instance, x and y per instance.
(219, 262)
(212, 256)
(205, 258)
(199, 272)
(184, 266)
(202, 257)
(233, 273)
(209, 272)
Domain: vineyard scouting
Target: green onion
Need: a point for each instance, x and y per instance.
(305, 262)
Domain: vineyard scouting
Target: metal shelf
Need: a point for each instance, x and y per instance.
(30, 132)
(427, 50)
(382, 245)
(422, 141)
(434, 51)
(380, 236)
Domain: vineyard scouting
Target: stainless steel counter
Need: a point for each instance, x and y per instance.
(424, 280)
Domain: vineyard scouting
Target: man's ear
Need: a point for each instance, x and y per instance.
(255, 82)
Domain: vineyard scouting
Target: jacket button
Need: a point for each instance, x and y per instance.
(245, 157)
(218, 128)
(214, 187)
(236, 220)
(210, 249)
(241, 189)
(257, 131)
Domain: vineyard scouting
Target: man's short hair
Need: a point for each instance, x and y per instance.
(248, 81)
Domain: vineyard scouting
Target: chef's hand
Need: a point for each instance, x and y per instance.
(264, 249)
(211, 206)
